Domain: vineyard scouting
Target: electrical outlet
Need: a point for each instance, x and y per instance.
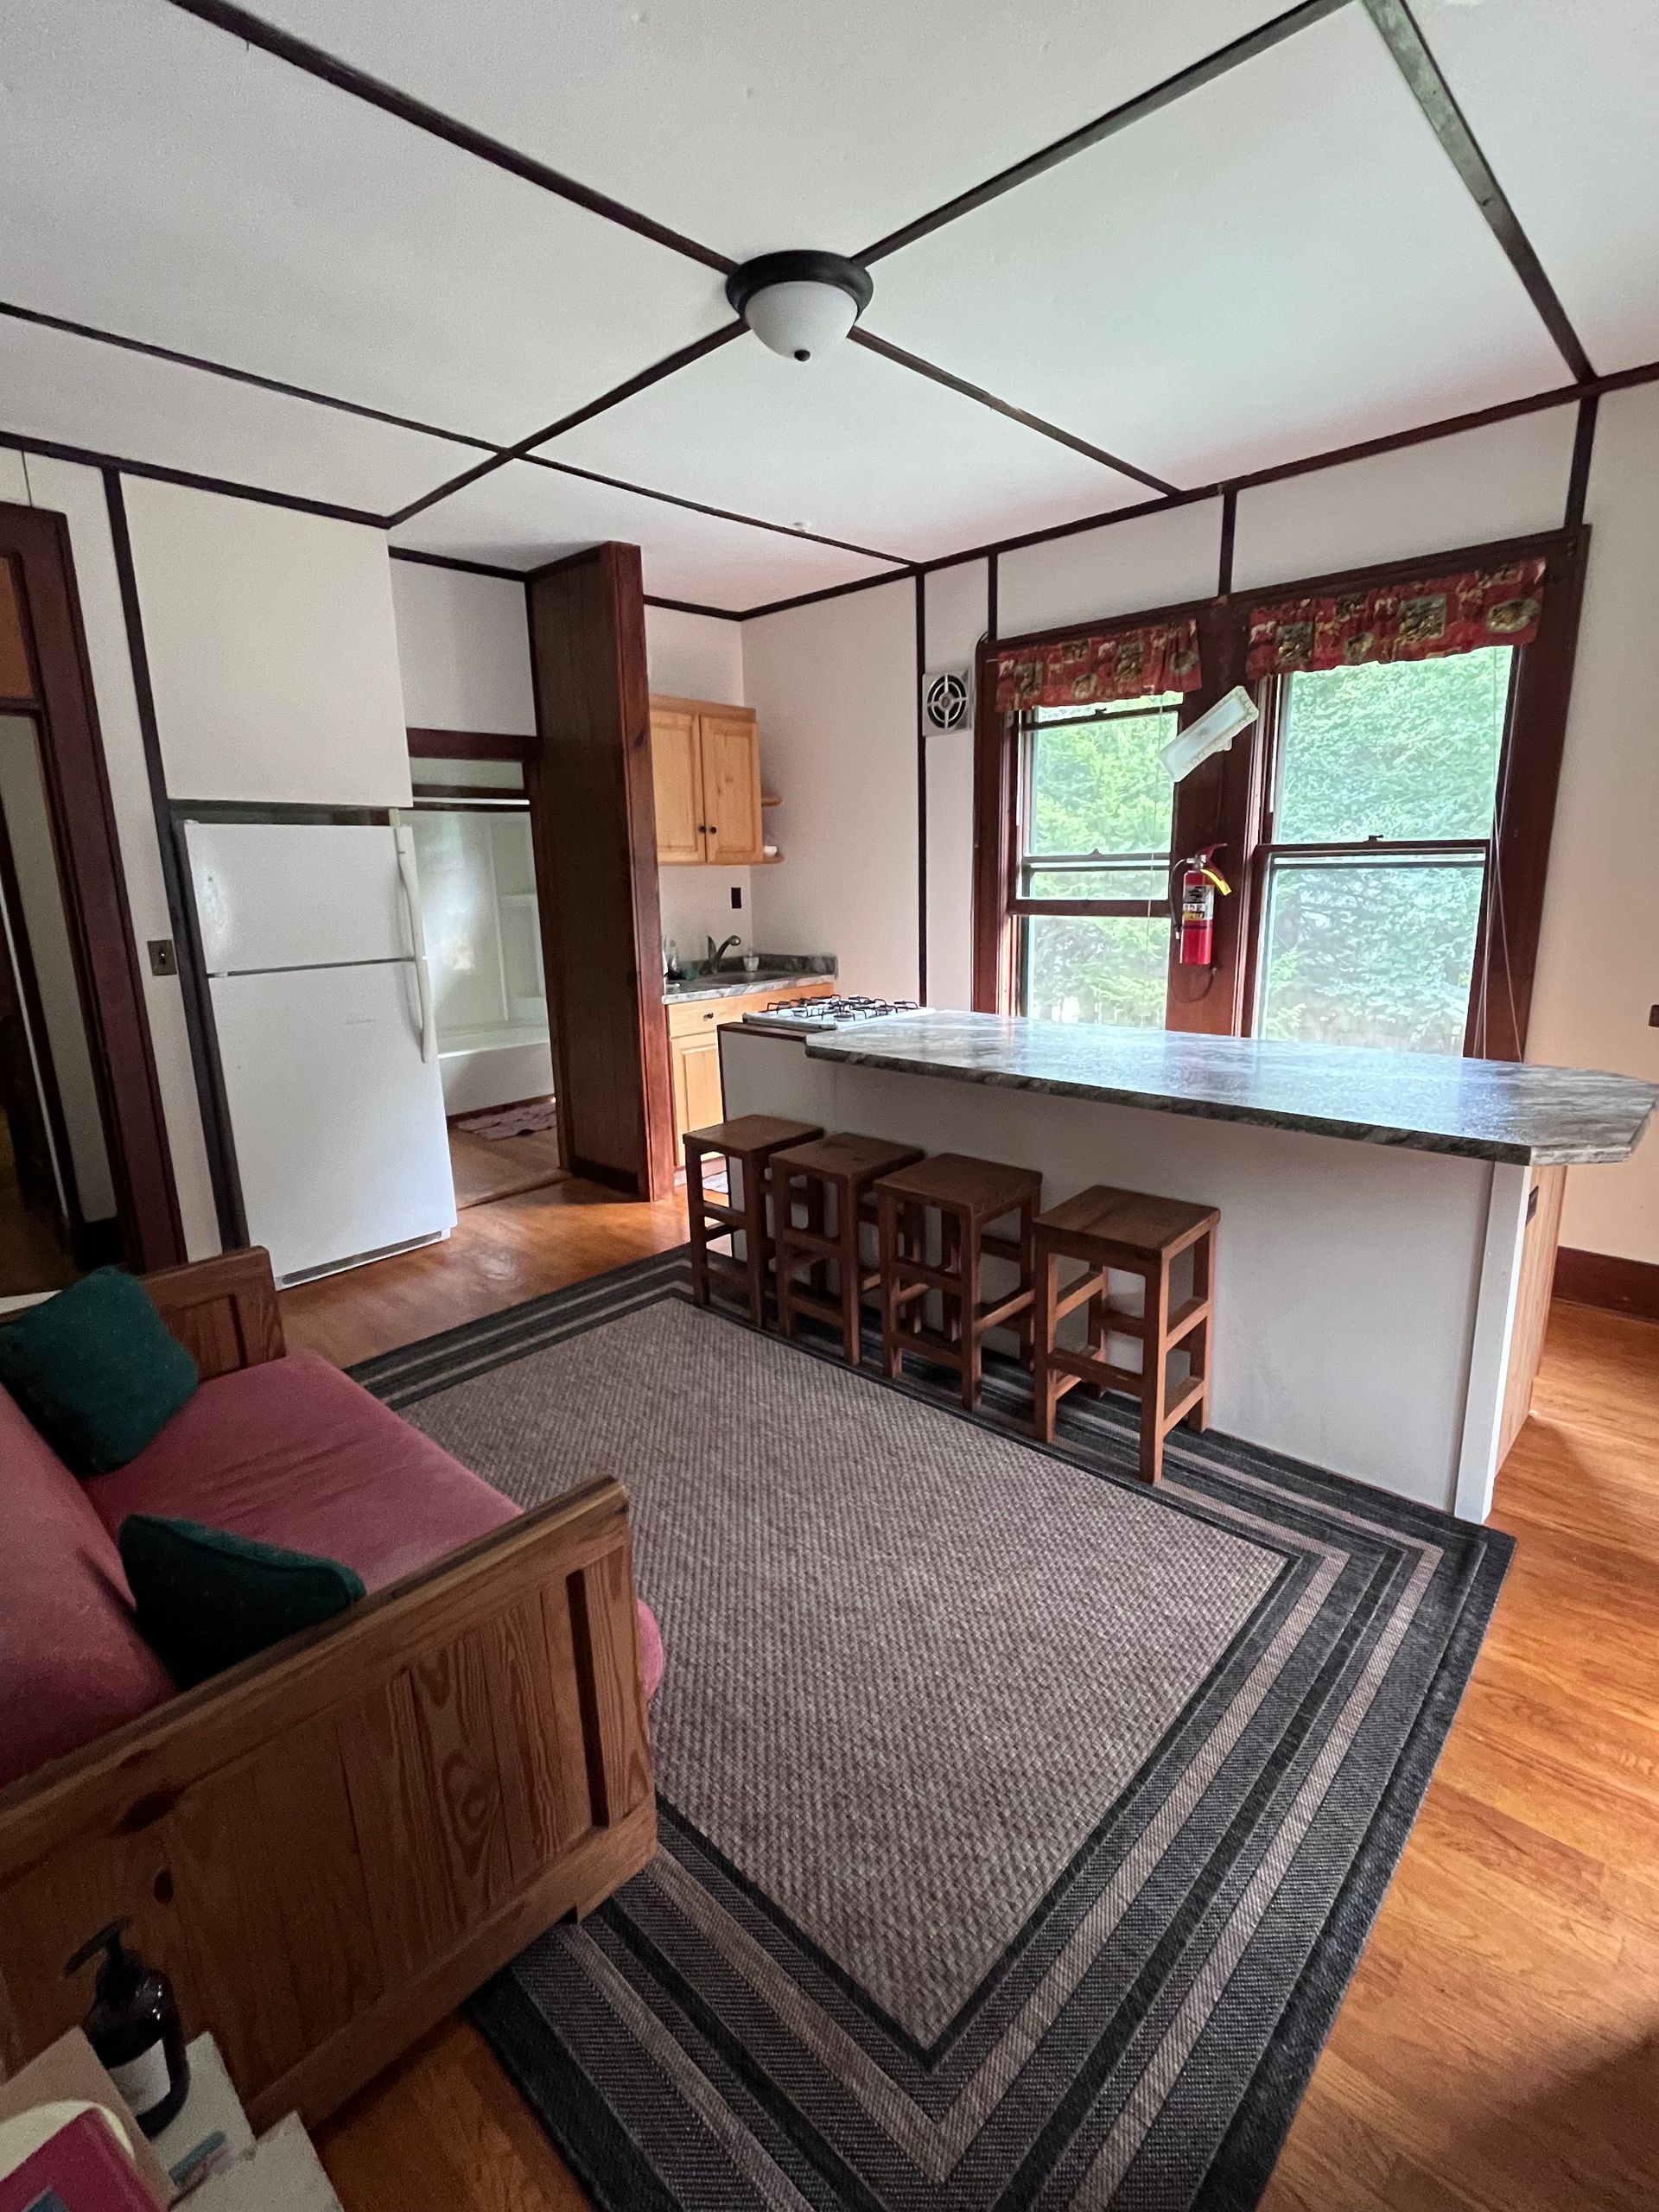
(737, 894)
(164, 957)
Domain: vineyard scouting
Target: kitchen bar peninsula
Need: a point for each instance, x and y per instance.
(1387, 1219)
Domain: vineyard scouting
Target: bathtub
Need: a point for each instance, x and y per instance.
(496, 1066)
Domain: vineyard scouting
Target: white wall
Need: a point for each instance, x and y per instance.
(463, 649)
(1598, 961)
(272, 649)
(700, 657)
(1502, 481)
(1150, 561)
(694, 655)
(77, 491)
(957, 605)
(834, 688)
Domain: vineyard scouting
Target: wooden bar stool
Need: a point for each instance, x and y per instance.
(748, 1144)
(968, 1195)
(846, 1166)
(1131, 1233)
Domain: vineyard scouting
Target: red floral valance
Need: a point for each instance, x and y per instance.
(1112, 664)
(1410, 621)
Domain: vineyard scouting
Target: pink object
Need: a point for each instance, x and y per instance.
(291, 1451)
(295, 1452)
(73, 1664)
(651, 1649)
(81, 2169)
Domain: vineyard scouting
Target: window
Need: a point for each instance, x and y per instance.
(1381, 789)
(1091, 891)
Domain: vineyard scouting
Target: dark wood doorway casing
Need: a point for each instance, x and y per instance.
(594, 824)
(49, 650)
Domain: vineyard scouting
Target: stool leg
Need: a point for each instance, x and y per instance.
(754, 1237)
(1044, 1399)
(699, 1223)
(887, 1227)
(1154, 1367)
(1198, 1342)
(1025, 1322)
(851, 1266)
(783, 1254)
(967, 1296)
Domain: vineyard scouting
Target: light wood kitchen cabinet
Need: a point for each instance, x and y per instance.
(694, 1046)
(705, 765)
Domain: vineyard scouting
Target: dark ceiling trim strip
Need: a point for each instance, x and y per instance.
(700, 507)
(453, 560)
(224, 15)
(1417, 65)
(830, 591)
(891, 352)
(51, 450)
(16, 313)
(681, 358)
(693, 606)
(1259, 41)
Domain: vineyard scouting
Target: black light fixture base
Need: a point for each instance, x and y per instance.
(806, 267)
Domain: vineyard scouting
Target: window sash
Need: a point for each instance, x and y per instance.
(1026, 863)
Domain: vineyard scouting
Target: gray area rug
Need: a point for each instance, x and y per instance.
(1020, 1826)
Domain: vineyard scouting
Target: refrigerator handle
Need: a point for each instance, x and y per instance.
(418, 939)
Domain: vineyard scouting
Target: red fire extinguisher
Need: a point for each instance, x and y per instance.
(1199, 884)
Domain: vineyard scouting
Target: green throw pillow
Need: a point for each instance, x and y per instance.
(97, 1370)
(206, 1599)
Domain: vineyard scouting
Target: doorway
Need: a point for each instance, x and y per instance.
(482, 924)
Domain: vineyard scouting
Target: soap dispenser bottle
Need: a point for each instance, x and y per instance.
(133, 2027)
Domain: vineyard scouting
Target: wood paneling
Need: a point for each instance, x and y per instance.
(593, 824)
(16, 678)
(731, 789)
(1601, 1279)
(1532, 1298)
(468, 744)
(676, 786)
(224, 1312)
(35, 548)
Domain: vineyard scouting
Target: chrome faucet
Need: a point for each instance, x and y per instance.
(717, 952)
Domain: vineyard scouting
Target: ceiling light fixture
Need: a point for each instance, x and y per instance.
(799, 303)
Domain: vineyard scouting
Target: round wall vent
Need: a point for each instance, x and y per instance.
(946, 700)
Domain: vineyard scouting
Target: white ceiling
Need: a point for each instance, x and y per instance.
(523, 514)
(853, 445)
(1280, 261)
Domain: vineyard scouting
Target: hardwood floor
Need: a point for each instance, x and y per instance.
(1498, 2049)
(488, 1168)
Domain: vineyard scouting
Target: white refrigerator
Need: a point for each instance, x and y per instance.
(311, 938)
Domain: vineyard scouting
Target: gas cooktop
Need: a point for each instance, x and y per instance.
(810, 1017)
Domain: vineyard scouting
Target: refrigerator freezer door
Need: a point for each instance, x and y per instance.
(341, 1143)
(298, 894)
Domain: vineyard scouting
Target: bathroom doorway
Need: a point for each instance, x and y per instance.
(483, 951)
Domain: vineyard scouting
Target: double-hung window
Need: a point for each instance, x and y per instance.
(1090, 903)
(1372, 875)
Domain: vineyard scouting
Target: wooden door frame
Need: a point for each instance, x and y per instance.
(36, 547)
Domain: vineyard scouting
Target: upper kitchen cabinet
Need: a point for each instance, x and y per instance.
(705, 774)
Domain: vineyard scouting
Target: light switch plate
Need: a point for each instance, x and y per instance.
(164, 957)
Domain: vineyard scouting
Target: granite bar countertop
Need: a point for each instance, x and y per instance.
(1483, 1109)
(776, 969)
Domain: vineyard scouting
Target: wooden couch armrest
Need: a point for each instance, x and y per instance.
(331, 1846)
(224, 1312)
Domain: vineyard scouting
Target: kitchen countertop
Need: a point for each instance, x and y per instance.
(771, 975)
(1426, 1102)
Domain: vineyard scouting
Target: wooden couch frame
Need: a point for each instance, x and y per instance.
(331, 1846)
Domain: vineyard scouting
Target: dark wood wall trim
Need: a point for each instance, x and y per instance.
(921, 790)
(594, 824)
(468, 744)
(94, 887)
(1601, 1279)
(211, 1101)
